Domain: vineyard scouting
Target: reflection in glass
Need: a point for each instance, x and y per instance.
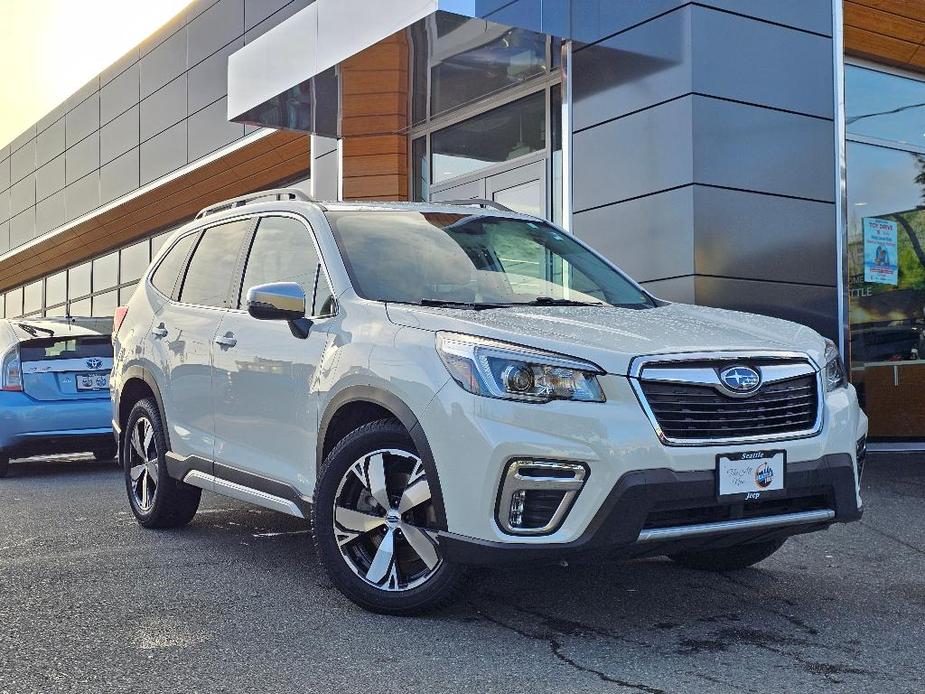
(79, 308)
(56, 289)
(125, 293)
(133, 262)
(505, 133)
(420, 170)
(104, 305)
(78, 281)
(56, 311)
(886, 236)
(106, 271)
(884, 106)
(32, 297)
(14, 303)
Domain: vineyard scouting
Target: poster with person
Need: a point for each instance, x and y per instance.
(880, 251)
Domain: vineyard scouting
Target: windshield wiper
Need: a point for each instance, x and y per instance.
(550, 301)
(471, 305)
(33, 329)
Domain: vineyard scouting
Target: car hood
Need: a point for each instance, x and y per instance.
(611, 337)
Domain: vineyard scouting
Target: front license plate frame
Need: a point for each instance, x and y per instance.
(751, 475)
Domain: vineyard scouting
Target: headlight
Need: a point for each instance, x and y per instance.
(835, 375)
(501, 370)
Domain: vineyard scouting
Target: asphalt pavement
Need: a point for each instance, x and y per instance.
(236, 602)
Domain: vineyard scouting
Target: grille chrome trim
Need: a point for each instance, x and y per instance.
(759, 523)
(779, 372)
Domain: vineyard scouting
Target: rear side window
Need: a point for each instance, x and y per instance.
(208, 277)
(65, 348)
(164, 278)
(283, 251)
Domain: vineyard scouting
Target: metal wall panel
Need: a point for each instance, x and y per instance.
(208, 81)
(221, 23)
(82, 158)
(760, 149)
(22, 138)
(650, 238)
(49, 143)
(165, 62)
(637, 155)
(22, 227)
(119, 176)
(83, 119)
(119, 135)
(207, 132)
(50, 213)
(82, 196)
(680, 289)
(120, 94)
(22, 195)
(5, 174)
(4, 237)
(5, 212)
(163, 108)
(810, 15)
(50, 178)
(163, 153)
(22, 161)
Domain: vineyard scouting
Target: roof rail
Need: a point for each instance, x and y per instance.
(275, 194)
(481, 202)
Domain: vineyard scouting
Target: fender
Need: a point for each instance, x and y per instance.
(136, 371)
(403, 413)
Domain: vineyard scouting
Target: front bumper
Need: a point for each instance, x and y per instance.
(656, 512)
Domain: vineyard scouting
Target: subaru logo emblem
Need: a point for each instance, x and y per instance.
(94, 363)
(740, 379)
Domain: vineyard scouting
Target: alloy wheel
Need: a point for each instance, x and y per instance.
(384, 521)
(143, 464)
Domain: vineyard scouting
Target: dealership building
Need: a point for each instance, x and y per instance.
(747, 154)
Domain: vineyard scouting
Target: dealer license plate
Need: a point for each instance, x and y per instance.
(748, 475)
(99, 381)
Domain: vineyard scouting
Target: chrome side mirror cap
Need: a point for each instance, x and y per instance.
(276, 301)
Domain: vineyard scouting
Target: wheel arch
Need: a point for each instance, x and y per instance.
(357, 405)
(137, 384)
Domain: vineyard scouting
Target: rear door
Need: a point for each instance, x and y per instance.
(183, 331)
(66, 367)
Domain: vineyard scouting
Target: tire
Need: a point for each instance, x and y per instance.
(729, 558)
(4, 466)
(156, 499)
(107, 453)
(371, 553)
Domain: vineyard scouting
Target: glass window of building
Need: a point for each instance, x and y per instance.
(79, 308)
(32, 298)
(14, 303)
(56, 311)
(133, 261)
(886, 238)
(106, 272)
(125, 293)
(157, 242)
(505, 133)
(104, 305)
(56, 289)
(78, 281)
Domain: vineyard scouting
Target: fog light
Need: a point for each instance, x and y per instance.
(517, 508)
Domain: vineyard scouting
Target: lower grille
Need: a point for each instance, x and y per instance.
(688, 411)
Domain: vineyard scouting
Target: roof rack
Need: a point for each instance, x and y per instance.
(480, 202)
(275, 194)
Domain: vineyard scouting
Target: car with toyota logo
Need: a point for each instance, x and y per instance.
(54, 388)
(446, 385)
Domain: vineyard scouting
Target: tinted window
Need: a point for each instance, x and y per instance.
(165, 277)
(66, 348)
(208, 277)
(282, 252)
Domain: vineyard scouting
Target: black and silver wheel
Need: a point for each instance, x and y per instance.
(375, 526)
(157, 500)
(728, 558)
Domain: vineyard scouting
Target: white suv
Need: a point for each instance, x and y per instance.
(446, 385)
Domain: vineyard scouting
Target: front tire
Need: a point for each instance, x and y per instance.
(374, 524)
(156, 499)
(729, 558)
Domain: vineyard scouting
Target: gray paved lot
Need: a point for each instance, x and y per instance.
(90, 602)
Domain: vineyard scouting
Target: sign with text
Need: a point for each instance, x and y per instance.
(880, 251)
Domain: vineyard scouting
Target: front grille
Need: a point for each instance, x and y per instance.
(679, 517)
(685, 411)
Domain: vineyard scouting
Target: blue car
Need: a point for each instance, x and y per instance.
(54, 388)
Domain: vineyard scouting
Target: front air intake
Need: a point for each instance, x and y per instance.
(535, 496)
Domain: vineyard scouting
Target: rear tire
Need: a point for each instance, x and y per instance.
(156, 499)
(379, 546)
(729, 558)
(4, 466)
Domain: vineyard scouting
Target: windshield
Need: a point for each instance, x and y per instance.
(477, 261)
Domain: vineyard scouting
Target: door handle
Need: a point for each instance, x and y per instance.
(159, 331)
(227, 340)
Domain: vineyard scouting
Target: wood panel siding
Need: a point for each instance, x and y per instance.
(375, 103)
(889, 31)
(277, 157)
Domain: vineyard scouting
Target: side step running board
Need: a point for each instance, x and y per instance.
(242, 493)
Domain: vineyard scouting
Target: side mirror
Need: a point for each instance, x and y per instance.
(276, 301)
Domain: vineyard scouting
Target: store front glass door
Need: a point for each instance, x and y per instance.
(885, 117)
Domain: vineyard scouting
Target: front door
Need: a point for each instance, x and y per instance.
(266, 418)
(522, 189)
